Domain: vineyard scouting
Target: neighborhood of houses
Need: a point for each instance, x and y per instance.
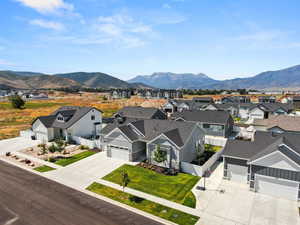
(263, 152)
(258, 144)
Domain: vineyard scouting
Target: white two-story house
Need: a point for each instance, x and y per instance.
(68, 122)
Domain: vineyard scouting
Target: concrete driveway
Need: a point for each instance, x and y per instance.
(16, 144)
(239, 206)
(85, 171)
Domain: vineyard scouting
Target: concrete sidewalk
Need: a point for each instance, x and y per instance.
(153, 198)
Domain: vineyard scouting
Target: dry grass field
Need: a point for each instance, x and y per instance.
(12, 121)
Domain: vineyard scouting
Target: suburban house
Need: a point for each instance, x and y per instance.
(138, 112)
(270, 164)
(278, 124)
(233, 109)
(296, 102)
(120, 93)
(266, 99)
(236, 99)
(204, 100)
(138, 140)
(68, 122)
(159, 94)
(214, 123)
(265, 110)
(181, 105)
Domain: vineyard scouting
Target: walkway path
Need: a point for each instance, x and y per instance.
(153, 198)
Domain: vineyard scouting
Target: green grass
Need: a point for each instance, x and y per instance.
(212, 148)
(74, 158)
(174, 188)
(43, 169)
(153, 208)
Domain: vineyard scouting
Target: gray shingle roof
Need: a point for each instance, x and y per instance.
(287, 123)
(264, 143)
(71, 114)
(217, 117)
(178, 132)
(138, 112)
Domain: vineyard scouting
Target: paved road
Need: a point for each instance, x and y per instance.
(28, 199)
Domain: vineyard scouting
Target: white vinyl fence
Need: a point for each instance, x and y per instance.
(200, 170)
(27, 133)
(212, 140)
(87, 142)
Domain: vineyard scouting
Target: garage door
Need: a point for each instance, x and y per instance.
(118, 153)
(276, 187)
(237, 173)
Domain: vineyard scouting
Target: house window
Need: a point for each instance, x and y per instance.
(206, 126)
(92, 117)
(60, 118)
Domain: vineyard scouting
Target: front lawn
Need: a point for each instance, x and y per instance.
(43, 169)
(174, 188)
(72, 159)
(153, 208)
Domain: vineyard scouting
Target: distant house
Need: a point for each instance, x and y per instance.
(204, 100)
(67, 122)
(233, 109)
(278, 124)
(159, 94)
(296, 102)
(120, 93)
(266, 99)
(35, 95)
(265, 110)
(138, 112)
(180, 105)
(270, 164)
(236, 99)
(214, 123)
(138, 140)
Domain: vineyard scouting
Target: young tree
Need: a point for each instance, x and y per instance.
(159, 155)
(17, 102)
(124, 179)
(198, 152)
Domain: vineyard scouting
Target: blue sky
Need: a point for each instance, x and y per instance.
(124, 38)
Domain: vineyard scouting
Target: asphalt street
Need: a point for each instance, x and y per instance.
(29, 199)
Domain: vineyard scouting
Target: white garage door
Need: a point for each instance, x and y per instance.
(237, 173)
(276, 187)
(118, 153)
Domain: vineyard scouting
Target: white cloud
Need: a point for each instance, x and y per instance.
(47, 24)
(262, 36)
(47, 6)
(123, 29)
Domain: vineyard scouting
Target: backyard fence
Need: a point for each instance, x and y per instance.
(218, 141)
(200, 170)
(87, 142)
(27, 133)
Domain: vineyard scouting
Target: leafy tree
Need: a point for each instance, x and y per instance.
(17, 102)
(199, 153)
(159, 155)
(43, 148)
(124, 179)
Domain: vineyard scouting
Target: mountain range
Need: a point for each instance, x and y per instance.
(288, 78)
(30, 80)
(281, 79)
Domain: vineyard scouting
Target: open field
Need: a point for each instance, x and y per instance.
(12, 121)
